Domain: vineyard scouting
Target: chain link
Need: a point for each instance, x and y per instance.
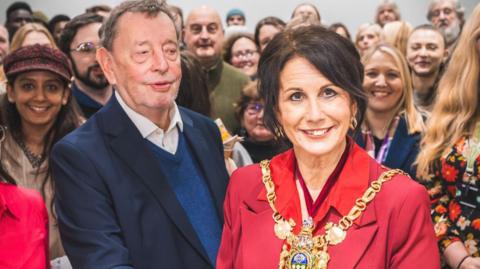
(346, 221)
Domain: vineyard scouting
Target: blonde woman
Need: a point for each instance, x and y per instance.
(368, 35)
(396, 34)
(30, 34)
(392, 127)
(449, 160)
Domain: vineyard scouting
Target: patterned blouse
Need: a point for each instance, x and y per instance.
(455, 199)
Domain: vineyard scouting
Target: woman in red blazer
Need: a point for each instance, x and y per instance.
(325, 203)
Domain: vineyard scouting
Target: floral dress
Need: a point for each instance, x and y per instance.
(455, 199)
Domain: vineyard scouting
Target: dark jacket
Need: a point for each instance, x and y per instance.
(114, 204)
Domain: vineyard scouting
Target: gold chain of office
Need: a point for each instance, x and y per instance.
(305, 251)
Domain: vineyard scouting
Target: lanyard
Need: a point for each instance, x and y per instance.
(313, 206)
(473, 150)
(386, 143)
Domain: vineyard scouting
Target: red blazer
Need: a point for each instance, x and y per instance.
(23, 229)
(395, 231)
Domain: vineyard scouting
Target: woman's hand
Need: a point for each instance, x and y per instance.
(471, 263)
(454, 255)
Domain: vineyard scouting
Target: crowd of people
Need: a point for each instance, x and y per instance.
(136, 137)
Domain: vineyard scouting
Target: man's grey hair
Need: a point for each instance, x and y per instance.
(459, 9)
(390, 3)
(151, 8)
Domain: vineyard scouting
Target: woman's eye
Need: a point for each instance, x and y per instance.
(28, 86)
(392, 75)
(52, 87)
(371, 74)
(297, 96)
(329, 92)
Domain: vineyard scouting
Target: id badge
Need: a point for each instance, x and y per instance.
(468, 195)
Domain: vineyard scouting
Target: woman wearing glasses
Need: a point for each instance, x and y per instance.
(241, 51)
(258, 140)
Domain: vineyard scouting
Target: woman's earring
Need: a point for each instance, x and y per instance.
(353, 123)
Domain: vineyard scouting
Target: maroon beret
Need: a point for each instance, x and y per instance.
(37, 58)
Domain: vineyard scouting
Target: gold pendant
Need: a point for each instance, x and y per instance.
(302, 254)
(283, 228)
(334, 234)
(322, 260)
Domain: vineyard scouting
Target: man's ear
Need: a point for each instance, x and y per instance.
(105, 60)
(445, 55)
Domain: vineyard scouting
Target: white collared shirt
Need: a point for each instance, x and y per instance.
(167, 140)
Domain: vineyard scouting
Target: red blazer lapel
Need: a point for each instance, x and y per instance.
(287, 201)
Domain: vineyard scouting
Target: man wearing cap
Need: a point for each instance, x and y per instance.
(80, 40)
(203, 35)
(235, 17)
(141, 184)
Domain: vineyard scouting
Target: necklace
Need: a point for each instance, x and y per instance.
(305, 251)
(34, 159)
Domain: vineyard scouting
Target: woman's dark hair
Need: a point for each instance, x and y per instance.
(249, 94)
(193, 93)
(273, 21)
(337, 25)
(68, 119)
(4, 176)
(56, 19)
(333, 56)
(228, 45)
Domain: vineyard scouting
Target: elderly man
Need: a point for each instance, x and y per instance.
(447, 16)
(80, 40)
(387, 11)
(203, 35)
(141, 184)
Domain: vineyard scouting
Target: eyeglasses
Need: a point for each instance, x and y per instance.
(244, 54)
(254, 108)
(86, 47)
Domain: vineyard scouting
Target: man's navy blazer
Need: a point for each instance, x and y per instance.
(114, 204)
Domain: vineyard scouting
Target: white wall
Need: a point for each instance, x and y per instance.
(351, 12)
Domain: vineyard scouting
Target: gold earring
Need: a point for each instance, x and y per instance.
(353, 123)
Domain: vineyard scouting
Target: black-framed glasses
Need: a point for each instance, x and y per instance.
(86, 47)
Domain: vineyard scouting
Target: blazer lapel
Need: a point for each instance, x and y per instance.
(358, 239)
(364, 229)
(208, 165)
(401, 145)
(128, 144)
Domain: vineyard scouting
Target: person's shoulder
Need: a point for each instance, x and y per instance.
(401, 189)
(193, 115)
(22, 200)
(196, 119)
(88, 135)
(246, 178)
(233, 73)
